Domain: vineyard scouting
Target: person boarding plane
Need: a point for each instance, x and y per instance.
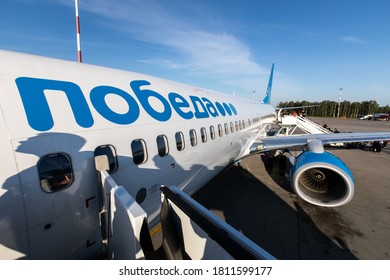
(61, 121)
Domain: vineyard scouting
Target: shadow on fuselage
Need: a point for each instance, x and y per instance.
(43, 216)
(34, 233)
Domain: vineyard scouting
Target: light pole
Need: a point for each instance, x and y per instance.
(338, 111)
(76, 4)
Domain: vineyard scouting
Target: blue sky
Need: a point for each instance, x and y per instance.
(318, 46)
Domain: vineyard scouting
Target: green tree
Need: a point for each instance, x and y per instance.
(329, 108)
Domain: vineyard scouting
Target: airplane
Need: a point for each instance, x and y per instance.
(62, 121)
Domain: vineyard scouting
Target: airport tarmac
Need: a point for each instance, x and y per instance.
(257, 200)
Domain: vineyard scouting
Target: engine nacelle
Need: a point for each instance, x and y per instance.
(322, 179)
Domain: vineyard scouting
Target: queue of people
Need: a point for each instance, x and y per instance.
(328, 128)
(377, 146)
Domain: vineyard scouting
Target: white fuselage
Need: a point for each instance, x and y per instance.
(52, 107)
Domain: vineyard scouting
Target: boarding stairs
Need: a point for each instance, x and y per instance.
(311, 127)
(288, 125)
(189, 230)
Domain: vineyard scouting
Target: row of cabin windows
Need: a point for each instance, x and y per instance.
(56, 173)
(139, 150)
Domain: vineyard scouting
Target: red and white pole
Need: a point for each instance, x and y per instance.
(78, 31)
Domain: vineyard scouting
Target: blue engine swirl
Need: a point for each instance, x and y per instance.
(322, 179)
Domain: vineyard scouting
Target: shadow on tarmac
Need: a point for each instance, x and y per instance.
(286, 232)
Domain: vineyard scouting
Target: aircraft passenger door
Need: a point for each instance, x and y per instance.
(59, 181)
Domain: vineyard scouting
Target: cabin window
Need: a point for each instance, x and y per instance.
(239, 125)
(249, 122)
(193, 139)
(138, 148)
(236, 125)
(203, 134)
(243, 124)
(110, 152)
(231, 127)
(179, 141)
(162, 145)
(212, 132)
(55, 172)
(226, 129)
(220, 132)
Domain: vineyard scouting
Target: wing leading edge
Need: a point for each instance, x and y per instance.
(265, 144)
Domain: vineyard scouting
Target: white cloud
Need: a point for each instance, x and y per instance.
(220, 53)
(352, 39)
(197, 50)
(194, 44)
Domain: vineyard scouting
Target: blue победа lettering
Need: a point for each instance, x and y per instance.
(32, 92)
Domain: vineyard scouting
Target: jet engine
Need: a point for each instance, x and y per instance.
(322, 179)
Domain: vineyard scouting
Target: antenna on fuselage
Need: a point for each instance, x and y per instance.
(78, 31)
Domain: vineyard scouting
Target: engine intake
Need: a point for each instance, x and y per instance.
(322, 179)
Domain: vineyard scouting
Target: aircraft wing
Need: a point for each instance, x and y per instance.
(264, 144)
